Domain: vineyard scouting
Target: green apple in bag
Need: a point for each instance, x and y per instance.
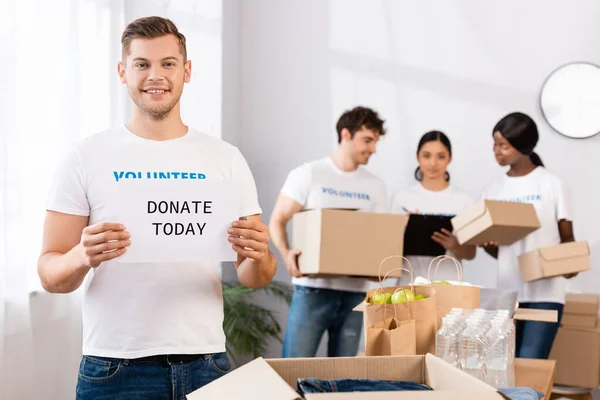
(381, 298)
(403, 296)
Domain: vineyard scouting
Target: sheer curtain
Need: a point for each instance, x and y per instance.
(57, 85)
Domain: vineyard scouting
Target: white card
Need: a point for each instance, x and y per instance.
(178, 220)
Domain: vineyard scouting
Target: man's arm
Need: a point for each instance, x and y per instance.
(450, 242)
(284, 210)
(70, 249)
(565, 230)
(491, 248)
(256, 265)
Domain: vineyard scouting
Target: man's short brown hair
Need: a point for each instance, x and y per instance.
(359, 118)
(150, 28)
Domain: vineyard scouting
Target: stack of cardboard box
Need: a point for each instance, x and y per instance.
(350, 242)
(577, 345)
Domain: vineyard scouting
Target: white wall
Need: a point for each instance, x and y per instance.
(201, 22)
(457, 66)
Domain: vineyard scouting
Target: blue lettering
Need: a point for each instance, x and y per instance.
(118, 175)
(343, 193)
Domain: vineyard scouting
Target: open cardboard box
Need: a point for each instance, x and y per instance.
(275, 379)
(347, 242)
(501, 221)
(547, 262)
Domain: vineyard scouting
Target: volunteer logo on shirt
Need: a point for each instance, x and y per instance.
(157, 175)
(530, 198)
(345, 194)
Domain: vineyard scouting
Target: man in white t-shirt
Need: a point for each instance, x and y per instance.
(150, 330)
(325, 304)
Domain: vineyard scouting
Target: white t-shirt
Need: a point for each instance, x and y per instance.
(549, 196)
(133, 310)
(419, 200)
(321, 184)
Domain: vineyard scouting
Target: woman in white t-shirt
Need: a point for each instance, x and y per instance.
(433, 195)
(527, 181)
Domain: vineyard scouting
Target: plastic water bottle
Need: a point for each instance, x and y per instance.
(452, 338)
(441, 338)
(509, 329)
(471, 347)
(446, 340)
(496, 354)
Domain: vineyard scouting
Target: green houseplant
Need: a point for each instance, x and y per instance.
(248, 327)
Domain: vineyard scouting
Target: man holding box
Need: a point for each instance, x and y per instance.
(324, 304)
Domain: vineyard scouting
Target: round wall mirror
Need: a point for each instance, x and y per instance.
(570, 100)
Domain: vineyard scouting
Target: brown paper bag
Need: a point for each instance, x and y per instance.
(422, 312)
(450, 296)
(391, 337)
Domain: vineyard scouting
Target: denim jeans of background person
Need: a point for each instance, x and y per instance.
(331, 312)
(534, 339)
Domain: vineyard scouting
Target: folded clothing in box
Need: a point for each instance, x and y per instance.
(311, 385)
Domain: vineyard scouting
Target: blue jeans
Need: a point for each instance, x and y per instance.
(314, 311)
(311, 385)
(102, 378)
(534, 339)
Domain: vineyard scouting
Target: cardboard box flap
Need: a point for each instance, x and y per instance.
(409, 368)
(582, 303)
(430, 395)
(360, 307)
(466, 217)
(528, 314)
(255, 380)
(439, 375)
(564, 251)
(535, 374)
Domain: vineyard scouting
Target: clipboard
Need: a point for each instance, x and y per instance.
(420, 228)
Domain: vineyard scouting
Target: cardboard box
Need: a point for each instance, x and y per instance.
(530, 314)
(343, 242)
(577, 355)
(581, 311)
(582, 303)
(500, 221)
(547, 262)
(579, 321)
(275, 379)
